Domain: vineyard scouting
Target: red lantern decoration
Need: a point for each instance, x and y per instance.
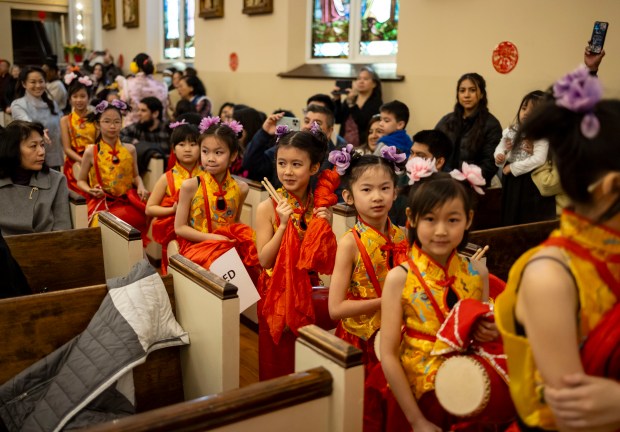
(233, 61)
(41, 16)
(505, 57)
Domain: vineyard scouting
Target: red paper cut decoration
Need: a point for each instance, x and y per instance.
(505, 57)
(233, 61)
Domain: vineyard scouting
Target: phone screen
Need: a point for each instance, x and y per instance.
(598, 37)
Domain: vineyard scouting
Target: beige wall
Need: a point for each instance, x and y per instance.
(6, 40)
(438, 41)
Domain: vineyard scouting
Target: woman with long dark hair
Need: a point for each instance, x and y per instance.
(474, 131)
(192, 89)
(34, 105)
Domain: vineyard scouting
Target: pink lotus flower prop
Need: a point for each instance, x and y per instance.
(473, 174)
(419, 168)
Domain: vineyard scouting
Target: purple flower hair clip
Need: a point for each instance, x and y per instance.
(473, 174)
(391, 154)
(119, 104)
(281, 130)
(315, 128)
(101, 107)
(207, 122)
(579, 92)
(341, 158)
(177, 124)
(234, 125)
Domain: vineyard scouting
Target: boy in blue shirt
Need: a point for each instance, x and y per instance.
(394, 119)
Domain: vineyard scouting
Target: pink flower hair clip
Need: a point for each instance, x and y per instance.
(341, 158)
(177, 124)
(579, 92)
(281, 130)
(207, 122)
(85, 80)
(473, 174)
(419, 168)
(70, 77)
(391, 154)
(234, 125)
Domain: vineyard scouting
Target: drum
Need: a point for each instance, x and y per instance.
(463, 386)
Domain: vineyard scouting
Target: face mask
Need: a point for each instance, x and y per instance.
(168, 81)
(133, 67)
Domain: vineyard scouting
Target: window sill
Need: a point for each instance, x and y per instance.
(386, 71)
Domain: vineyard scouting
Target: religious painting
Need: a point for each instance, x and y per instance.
(108, 14)
(255, 7)
(211, 9)
(131, 13)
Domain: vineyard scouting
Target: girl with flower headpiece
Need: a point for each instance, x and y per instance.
(518, 157)
(282, 223)
(109, 172)
(162, 203)
(76, 131)
(207, 216)
(560, 315)
(422, 295)
(365, 255)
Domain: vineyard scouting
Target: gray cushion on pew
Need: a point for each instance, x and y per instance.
(89, 379)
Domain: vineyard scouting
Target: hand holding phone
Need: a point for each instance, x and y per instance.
(343, 85)
(599, 31)
(293, 123)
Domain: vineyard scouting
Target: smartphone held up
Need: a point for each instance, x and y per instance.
(599, 31)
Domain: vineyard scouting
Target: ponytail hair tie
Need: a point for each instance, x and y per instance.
(341, 159)
(281, 130)
(390, 153)
(473, 174)
(419, 168)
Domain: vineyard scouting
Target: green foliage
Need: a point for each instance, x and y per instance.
(376, 31)
(336, 31)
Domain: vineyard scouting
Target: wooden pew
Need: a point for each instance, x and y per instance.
(344, 219)
(507, 244)
(79, 210)
(324, 395)
(256, 194)
(80, 257)
(206, 306)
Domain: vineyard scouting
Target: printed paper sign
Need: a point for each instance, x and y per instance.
(230, 267)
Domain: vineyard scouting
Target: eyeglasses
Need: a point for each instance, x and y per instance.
(112, 122)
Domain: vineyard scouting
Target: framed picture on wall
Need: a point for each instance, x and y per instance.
(211, 9)
(255, 7)
(131, 13)
(108, 14)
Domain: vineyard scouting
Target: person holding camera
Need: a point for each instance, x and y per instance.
(362, 100)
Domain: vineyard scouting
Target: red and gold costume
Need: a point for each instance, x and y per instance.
(284, 307)
(163, 227)
(82, 133)
(213, 210)
(113, 170)
(593, 256)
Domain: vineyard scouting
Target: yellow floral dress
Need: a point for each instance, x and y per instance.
(595, 300)
(420, 317)
(82, 133)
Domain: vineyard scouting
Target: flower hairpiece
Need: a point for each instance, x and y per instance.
(70, 77)
(85, 80)
(473, 174)
(341, 158)
(391, 154)
(281, 130)
(207, 122)
(116, 103)
(177, 124)
(579, 92)
(234, 125)
(315, 128)
(419, 168)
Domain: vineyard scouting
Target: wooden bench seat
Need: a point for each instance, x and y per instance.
(79, 257)
(206, 306)
(507, 244)
(324, 395)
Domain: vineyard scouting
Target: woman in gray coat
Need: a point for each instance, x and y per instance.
(34, 105)
(34, 198)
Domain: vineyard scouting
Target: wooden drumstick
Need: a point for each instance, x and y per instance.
(271, 190)
(480, 253)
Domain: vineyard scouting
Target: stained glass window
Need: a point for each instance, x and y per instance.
(354, 29)
(178, 29)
